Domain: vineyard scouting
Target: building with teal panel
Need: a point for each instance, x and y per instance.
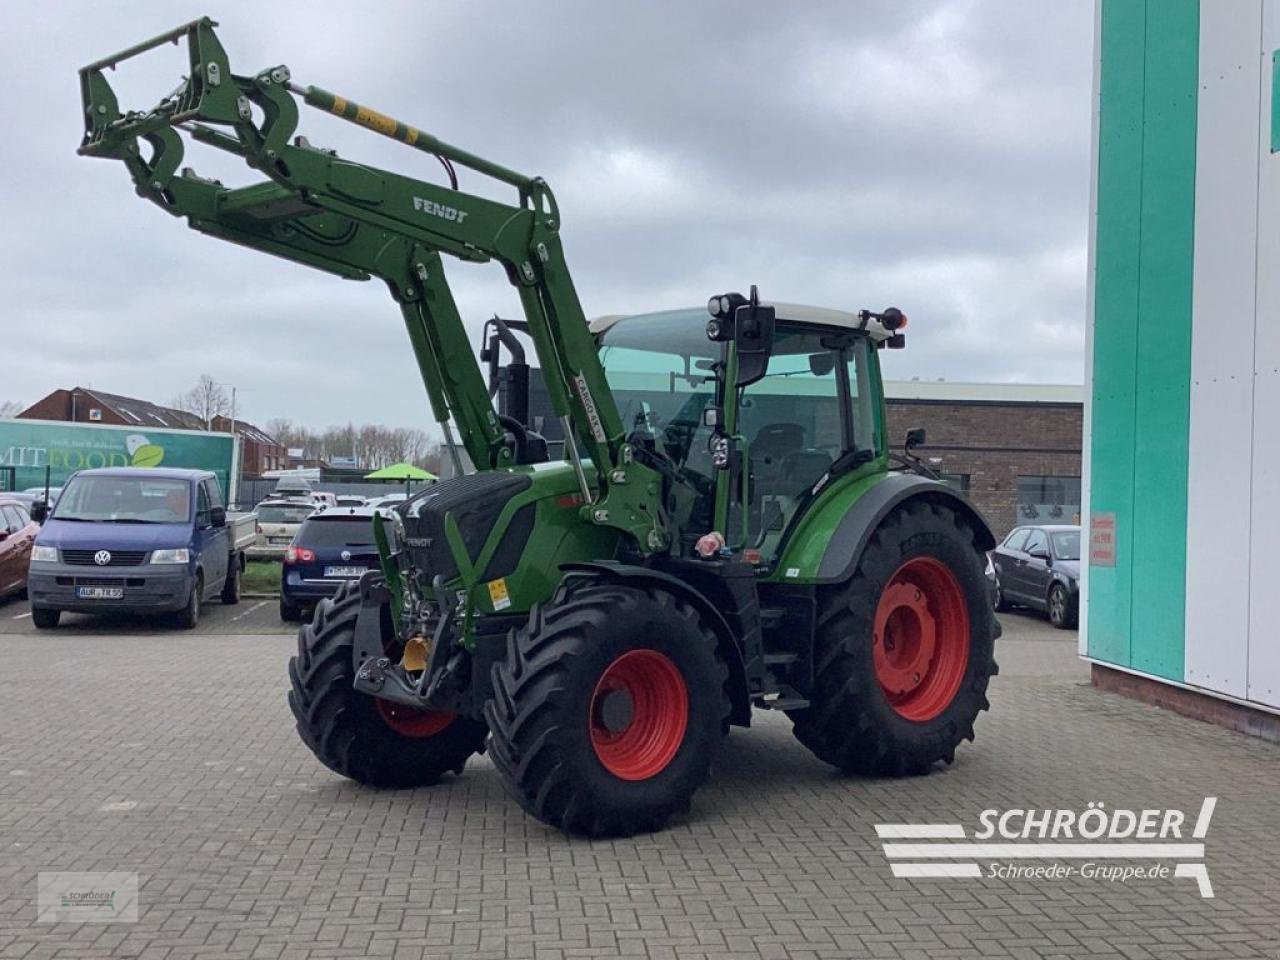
(1182, 439)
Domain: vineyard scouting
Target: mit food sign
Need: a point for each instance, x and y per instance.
(31, 446)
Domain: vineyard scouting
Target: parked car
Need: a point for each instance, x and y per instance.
(278, 521)
(133, 540)
(291, 487)
(17, 533)
(351, 500)
(1039, 567)
(332, 547)
(387, 500)
(29, 496)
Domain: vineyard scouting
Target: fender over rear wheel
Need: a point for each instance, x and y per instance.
(366, 739)
(608, 709)
(903, 650)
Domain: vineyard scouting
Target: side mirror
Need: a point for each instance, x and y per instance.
(1040, 553)
(915, 437)
(39, 511)
(218, 516)
(753, 334)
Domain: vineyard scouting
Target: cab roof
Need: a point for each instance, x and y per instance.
(794, 312)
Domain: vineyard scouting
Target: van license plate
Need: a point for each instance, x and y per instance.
(344, 571)
(99, 593)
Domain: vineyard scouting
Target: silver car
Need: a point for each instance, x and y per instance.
(278, 521)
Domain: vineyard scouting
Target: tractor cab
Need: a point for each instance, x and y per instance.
(814, 414)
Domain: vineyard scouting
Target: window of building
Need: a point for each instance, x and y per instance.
(956, 481)
(1049, 499)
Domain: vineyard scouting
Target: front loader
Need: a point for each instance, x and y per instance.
(722, 527)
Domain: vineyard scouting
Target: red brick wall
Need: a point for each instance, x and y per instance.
(58, 406)
(994, 443)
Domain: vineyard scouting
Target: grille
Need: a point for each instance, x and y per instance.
(119, 558)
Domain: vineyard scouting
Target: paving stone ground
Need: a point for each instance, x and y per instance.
(173, 755)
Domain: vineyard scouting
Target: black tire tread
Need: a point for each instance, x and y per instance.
(841, 726)
(342, 727)
(523, 740)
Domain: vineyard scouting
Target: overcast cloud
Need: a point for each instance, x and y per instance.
(930, 155)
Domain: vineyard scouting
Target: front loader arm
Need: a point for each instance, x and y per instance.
(359, 221)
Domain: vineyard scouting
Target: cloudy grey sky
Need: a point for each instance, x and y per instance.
(931, 155)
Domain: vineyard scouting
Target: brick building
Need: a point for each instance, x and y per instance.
(258, 451)
(1013, 448)
(85, 405)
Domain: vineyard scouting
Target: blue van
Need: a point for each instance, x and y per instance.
(136, 540)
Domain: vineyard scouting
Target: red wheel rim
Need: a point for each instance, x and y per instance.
(921, 642)
(412, 722)
(639, 713)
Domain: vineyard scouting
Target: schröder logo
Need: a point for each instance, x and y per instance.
(1095, 844)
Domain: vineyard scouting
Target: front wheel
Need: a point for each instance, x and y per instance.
(45, 618)
(608, 710)
(189, 616)
(367, 739)
(1061, 608)
(903, 650)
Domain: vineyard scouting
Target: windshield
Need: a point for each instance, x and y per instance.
(337, 532)
(119, 499)
(1066, 546)
(284, 512)
(660, 371)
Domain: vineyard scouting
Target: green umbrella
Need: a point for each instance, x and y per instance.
(400, 471)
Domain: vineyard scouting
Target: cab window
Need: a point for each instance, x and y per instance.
(808, 411)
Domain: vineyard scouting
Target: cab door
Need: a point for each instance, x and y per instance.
(213, 540)
(1036, 572)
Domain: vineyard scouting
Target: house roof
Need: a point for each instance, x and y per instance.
(144, 413)
(246, 430)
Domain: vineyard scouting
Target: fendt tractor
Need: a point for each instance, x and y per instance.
(722, 525)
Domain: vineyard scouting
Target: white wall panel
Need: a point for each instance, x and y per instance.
(1221, 438)
(1264, 612)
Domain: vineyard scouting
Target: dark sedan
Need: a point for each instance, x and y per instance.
(1039, 567)
(333, 545)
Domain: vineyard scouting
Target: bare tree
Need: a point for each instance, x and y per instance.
(10, 409)
(207, 399)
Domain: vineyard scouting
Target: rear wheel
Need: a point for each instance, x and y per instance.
(903, 650)
(367, 739)
(45, 618)
(998, 602)
(231, 586)
(290, 612)
(608, 710)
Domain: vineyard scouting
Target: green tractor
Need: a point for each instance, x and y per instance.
(722, 525)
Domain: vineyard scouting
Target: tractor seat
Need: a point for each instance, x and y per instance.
(803, 468)
(774, 442)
